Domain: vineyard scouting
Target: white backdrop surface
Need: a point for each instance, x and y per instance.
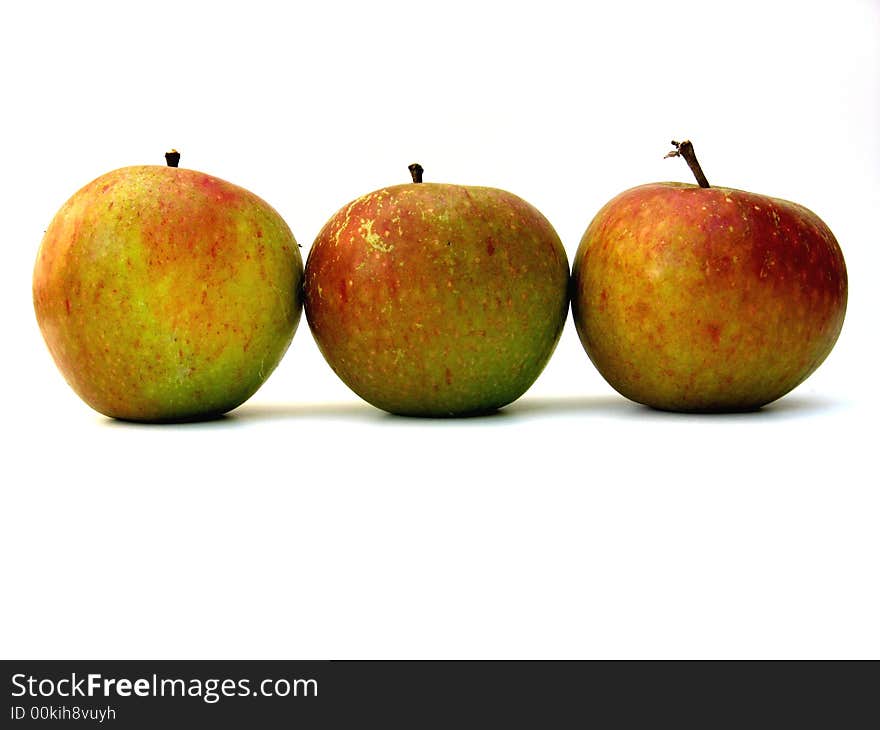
(572, 524)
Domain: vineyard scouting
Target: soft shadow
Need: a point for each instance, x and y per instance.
(616, 406)
(603, 406)
(349, 411)
(594, 405)
(256, 412)
(465, 418)
(252, 413)
(795, 406)
(787, 407)
(282, 411)
(213, 421)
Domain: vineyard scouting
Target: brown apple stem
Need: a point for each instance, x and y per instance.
(686, 149)
(416, 170)
(172, 158)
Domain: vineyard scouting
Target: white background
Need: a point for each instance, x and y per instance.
(574, 523)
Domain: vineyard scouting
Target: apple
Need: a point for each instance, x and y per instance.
(701, 298)
(166, 294)
(436, 299)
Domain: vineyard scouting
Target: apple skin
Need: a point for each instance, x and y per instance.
(707, 299)
(432, 299)
(166, 294)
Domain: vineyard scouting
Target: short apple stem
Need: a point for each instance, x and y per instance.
(686, 149)
(172, 158)
(416, 170)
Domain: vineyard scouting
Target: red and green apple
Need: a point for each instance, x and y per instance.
(703, 298)
(166, 294)
(437, 299)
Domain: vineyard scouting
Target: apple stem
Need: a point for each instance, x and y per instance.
(686, 149)
(416, 170)
(172, 158)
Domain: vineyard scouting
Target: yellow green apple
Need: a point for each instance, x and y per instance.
(166, 294)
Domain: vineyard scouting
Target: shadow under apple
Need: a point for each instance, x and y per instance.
(526, 408)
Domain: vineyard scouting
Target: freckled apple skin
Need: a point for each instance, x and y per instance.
(707, 299)
(166, 294)
(432, 299)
